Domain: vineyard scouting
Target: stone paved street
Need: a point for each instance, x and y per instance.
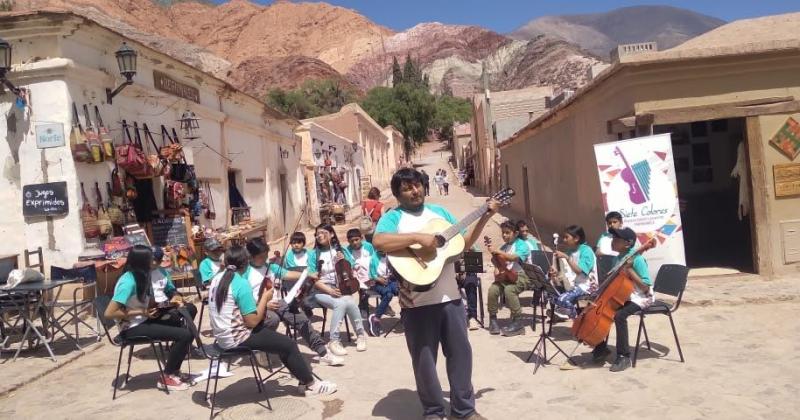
(741, 363)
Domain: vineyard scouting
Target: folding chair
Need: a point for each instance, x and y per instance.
(200, 287)
(88, 275)
(40, 258)
(215, 353)
(670, 280)
(6, 305)
(101, 304)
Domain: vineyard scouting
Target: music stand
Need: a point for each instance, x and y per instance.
(541, 283)
(471, 262)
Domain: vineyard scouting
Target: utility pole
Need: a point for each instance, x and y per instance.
(491, 145)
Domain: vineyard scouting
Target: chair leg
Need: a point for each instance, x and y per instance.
(214, 394)
(158, 362)
(675, 334)
(347, 328)
(534, 303)
(208, 381)
(646, 338)
(255, 374)
(200, 321)
(116, 378)
(638, 340)
(325, 321)
(128, 372)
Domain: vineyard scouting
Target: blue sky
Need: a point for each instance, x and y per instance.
(506, 15)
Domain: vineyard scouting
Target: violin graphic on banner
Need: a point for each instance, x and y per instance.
(637, 178)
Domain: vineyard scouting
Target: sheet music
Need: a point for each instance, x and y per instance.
(296, 288)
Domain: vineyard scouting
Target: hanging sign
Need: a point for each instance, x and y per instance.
(45, 199)
(787, 139)
(637, 179)
(167, 84)
(49, 135)
(787, 179)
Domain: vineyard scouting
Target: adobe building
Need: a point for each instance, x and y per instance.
(738, 84)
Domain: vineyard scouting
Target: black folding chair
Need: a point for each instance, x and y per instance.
(215, 353)
(670, 280)
(72, 312)
(101, 304)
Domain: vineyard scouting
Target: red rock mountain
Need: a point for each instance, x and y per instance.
(257, 47)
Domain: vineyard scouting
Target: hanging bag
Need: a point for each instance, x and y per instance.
(103, 220)
(91, 229)
(365, 224)
(115, 214)
(77, 139)
(171, 148)
(130, 155)
(92, 138)
(210, 213)
(174, 194)
(161, 166)
(105, 136)
(116, 189)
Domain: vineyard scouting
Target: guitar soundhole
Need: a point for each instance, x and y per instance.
(440, 241)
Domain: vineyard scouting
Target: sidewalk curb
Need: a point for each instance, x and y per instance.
(64, 361)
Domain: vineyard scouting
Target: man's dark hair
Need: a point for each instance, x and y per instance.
(508, 224)
(404, 175)
(354, 233)
(521, 223)
(614, 215)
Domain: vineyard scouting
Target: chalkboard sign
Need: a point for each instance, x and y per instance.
(170, 231)
(45, 199)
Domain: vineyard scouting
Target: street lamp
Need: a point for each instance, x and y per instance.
(284, 153)
(126, 61)
(189, 124)
(5, 65)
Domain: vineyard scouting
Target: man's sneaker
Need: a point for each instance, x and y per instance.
(514, 328)
(472, 324)
(336, 348)
(622, 363)
(494, 327)
(375, 329)
(172, 383)
(320, 388)
(331, 359)
(361, 342)
(600, 353)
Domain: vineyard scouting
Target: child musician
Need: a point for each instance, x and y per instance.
(583, 270)
(526, 235)
(623, 241)
(297, 255)
(386, 286)
(365, 266)
(512, 252)
(277, 309)
(210, 265)
(613, 221)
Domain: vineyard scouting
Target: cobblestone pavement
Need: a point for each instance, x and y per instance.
(739, 340)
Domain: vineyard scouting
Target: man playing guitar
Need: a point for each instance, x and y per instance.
(434, 315)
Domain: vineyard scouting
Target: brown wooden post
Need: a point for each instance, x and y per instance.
(760, 216)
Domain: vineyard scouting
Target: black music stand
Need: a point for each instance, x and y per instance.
(471, 262)
(541, 283)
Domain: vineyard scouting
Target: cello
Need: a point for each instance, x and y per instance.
(593, 324)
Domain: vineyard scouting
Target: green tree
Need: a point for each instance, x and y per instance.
(397, 72)
(312, 99)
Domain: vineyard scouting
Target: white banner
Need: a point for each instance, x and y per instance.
(637, 179)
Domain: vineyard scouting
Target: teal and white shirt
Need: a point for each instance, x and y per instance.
(208, 269)
(125, 294)
(587, 262)
(398, 220)
(604, 245)
(255, 276)
(521, 249)
(366, 263)
(643, 298)
(227, 324)
(296, 259)
(327, 272)
(163, 287)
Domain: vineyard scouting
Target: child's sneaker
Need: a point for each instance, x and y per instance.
(375, 329)
(336, 348)
(172, 383)
(331, 359)
(361, 342)
(320, 388)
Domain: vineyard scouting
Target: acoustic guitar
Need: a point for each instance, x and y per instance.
(420, 267)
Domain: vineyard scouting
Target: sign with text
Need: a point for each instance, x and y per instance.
(170, 231)
(787, 179)
(167, 84)
(637, 179)
(45, 199)
(49, 135)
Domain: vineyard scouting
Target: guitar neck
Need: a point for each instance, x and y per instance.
(466, 221)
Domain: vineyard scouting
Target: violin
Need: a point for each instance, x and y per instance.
(594, 322)
(346, 281)
(504, 274)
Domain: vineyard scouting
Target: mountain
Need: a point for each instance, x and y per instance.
(256, 47)
(599, 33)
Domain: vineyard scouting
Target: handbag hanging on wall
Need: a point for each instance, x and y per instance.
(115, 214)
(77, 139)
(130, 156)
(92, 138)
(91, 229)
(159, 165)
(210, 213)
(105, 136)
(103, 220)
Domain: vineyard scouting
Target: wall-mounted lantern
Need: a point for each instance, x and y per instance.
(284, 153)
(190, 125)
(5, 65)
(126, 61)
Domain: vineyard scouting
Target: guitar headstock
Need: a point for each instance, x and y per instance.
(504, 196)
(487, 241)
